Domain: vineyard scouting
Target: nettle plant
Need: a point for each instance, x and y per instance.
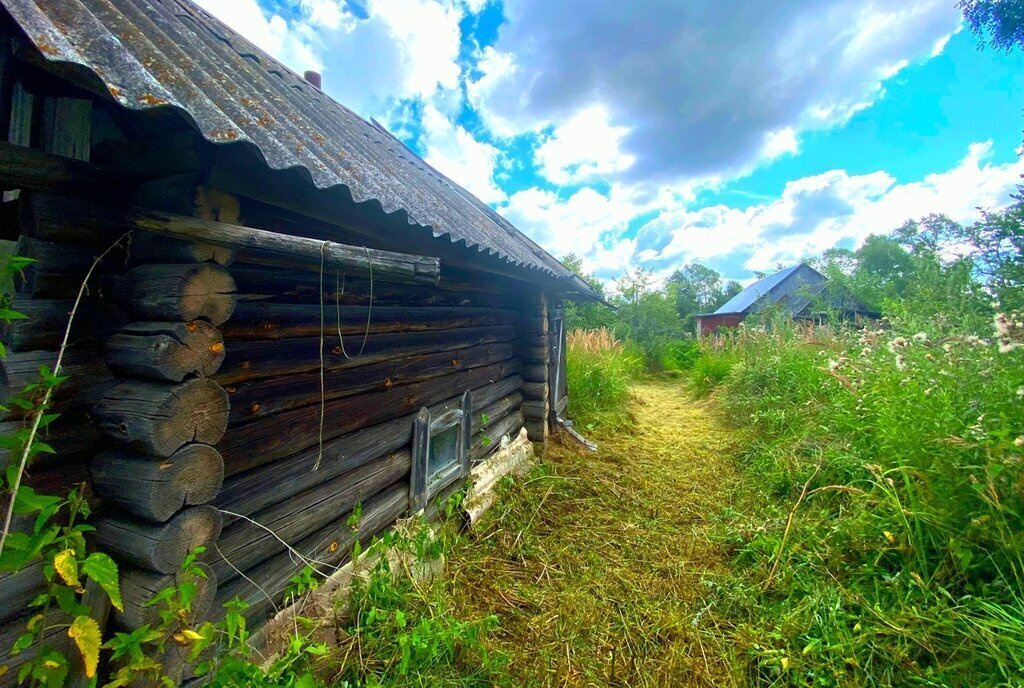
(52, 531)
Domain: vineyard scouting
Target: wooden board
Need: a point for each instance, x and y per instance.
(248, 360)
(285, 433)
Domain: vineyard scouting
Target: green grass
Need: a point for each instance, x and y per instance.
(593, 563)
(599, 372)
(882, 542)
(710, 370)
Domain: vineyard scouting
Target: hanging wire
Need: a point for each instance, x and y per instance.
(338, 292)
(323, 394)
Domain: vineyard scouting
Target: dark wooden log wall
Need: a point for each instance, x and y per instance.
(199, 378)
(140, 415)
(424, 347)
(199, 375)
(536, 352)
(208, 389)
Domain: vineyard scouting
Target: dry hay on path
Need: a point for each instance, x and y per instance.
(594, 564)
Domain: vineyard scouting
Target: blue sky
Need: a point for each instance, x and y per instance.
(656, 133)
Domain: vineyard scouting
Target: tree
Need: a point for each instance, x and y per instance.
(699, 289)
(997, 246)
(646, 313)
(589, 315)
(1001, 20)
(883, 271)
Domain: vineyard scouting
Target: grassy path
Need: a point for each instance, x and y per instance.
(594, 565)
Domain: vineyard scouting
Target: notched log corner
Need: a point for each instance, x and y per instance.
(166, 350)
(159, 547)
(156, 488)
(159, 419)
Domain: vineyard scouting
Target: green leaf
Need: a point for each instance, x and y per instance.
(87, 636)
(41, 448)
(23, 404)
(19, 263)
(67, 600)
(101, 568)
(44, 517)
(50, 669)
(306, 681)
(23, 642)
(10, 315)
(48, 418)
(28, 501)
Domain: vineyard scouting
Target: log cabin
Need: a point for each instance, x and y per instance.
(299, 315)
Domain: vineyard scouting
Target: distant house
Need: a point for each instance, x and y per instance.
(794, 290)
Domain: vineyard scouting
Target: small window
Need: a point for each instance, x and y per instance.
(443, 451)
(440, 451)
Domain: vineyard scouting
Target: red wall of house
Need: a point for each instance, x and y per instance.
(707, 324)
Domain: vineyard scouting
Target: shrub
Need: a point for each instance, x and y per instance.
(678, 354)
(599, 370)
(885, 541)
(710, 370)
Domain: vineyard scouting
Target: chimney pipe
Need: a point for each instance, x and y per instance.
(313, 78)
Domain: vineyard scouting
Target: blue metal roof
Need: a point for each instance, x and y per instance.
(743, 301)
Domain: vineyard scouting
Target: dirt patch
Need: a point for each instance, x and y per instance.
(594, 564)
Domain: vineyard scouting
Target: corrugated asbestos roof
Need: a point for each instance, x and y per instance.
(744, 300)
(153, 53)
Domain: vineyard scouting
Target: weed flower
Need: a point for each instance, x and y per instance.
(1007, 345)
(1010, 331)
(920, 337)
(1020, 391)
(1019, 442)
(866, 351)
(1002, 325)
(901, 362)
(898, 343)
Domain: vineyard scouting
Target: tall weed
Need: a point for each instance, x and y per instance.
(599, 371)
(884, 540)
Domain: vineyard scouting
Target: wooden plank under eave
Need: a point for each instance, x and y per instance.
(316, 254)
(27, 168)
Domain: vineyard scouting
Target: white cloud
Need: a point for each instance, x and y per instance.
(427, 36)
(574, 225)
(293, 44)
(811, 215)
(495, 69)
(329, 14)
(402, 49)
(590, 223)
(780, 142)
(585, 146)
(817, 213)
(453, 150)
(692, 109)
